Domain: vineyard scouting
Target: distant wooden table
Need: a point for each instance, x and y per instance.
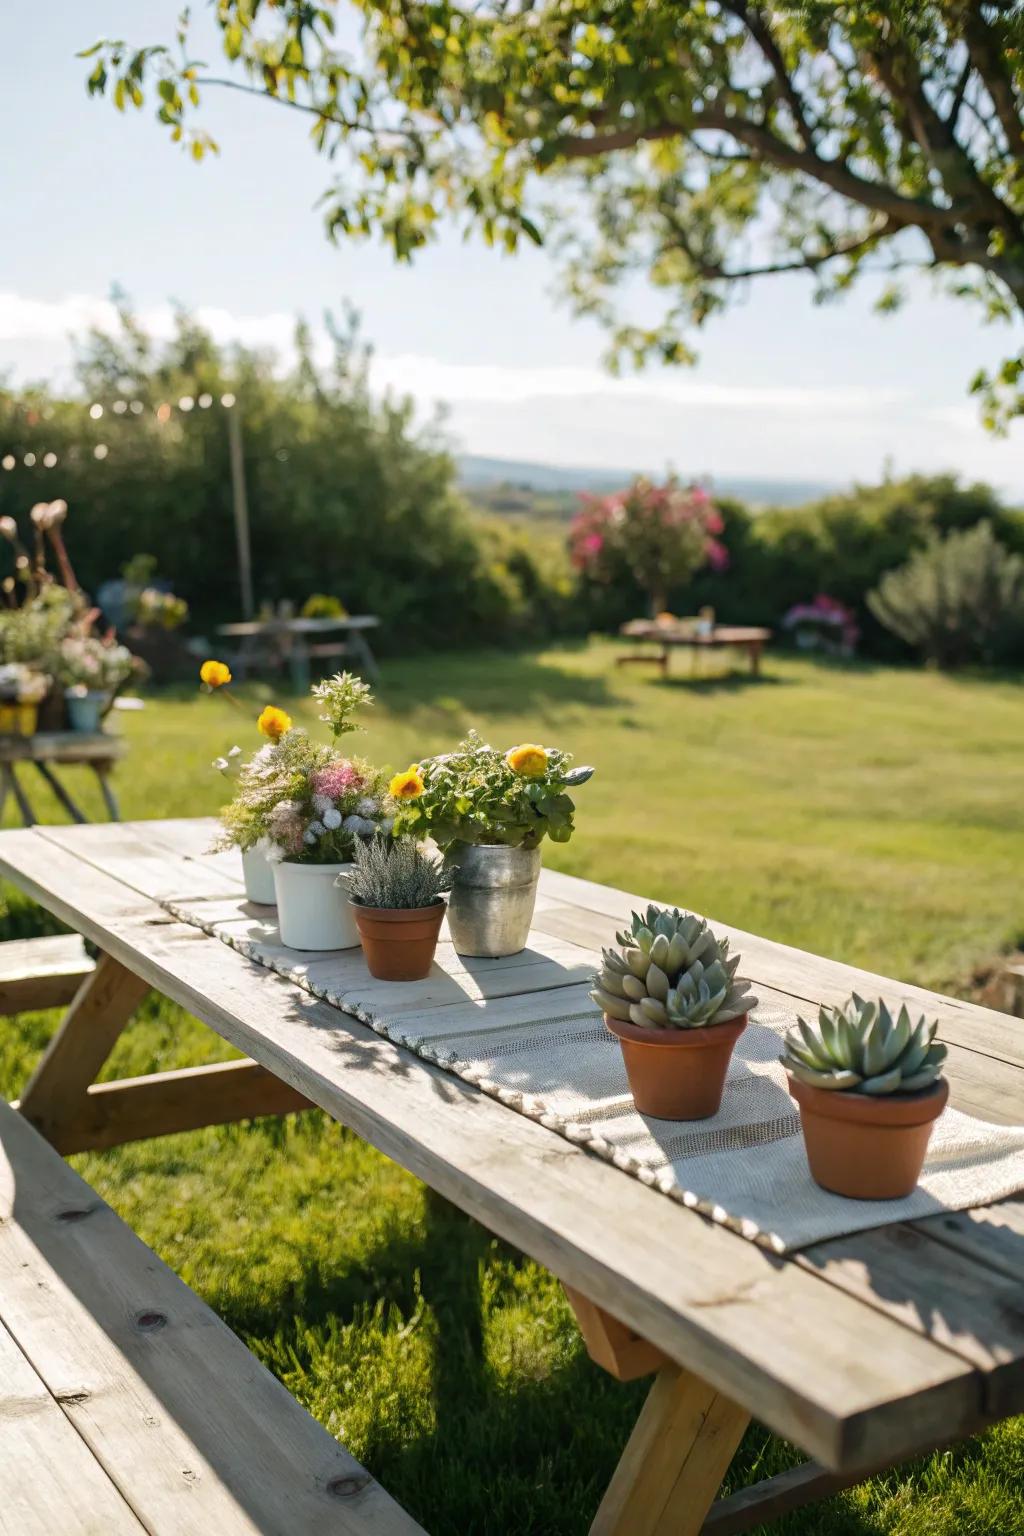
(750, 638)
(49, 750)
(295, 643)
(864, 1349)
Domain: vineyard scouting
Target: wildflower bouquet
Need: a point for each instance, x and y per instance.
(303, 800)
(20, 684)
(86, 663)
(477, 794)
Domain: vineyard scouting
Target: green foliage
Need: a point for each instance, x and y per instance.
(477, 794)
(397, 874)
(339, 697)
(321, 605)
(650, 137)
(863, 1047)
(959, 599)
(671, 972)
(343, 488)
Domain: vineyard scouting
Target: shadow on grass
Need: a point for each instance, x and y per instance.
(735, 681)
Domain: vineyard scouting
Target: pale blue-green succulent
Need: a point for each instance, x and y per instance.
(671, 973)
(862, 1047)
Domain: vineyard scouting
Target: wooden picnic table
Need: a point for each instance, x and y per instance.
(295, 643)
(751, 638)
(49, 750)
(863, 1350)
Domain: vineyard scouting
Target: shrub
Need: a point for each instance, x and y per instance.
(960, 599)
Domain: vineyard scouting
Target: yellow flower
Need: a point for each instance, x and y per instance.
(407, 785)
(214, 674)
(273, 722)
(529, 760)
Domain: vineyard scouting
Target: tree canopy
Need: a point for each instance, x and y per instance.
(704, 145)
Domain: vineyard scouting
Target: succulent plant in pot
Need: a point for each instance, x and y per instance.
(397, 896)
(869, 1088)
(672, 996)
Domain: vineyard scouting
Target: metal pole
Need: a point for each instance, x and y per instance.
(241, 506)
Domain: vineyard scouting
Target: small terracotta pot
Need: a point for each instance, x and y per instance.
(866, 1146)
(399, 944)
(677, 1074)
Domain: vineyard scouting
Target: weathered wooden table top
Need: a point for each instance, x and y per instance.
(861, 1350)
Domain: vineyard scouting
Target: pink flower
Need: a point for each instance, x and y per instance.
(593, 544)
(338, 778)
(718, 555)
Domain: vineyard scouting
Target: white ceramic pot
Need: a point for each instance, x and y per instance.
(258, 876)
(312, 911)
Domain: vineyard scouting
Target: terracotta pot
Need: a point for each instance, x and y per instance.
(677, 1074)
(398, 943)
(867, 1146)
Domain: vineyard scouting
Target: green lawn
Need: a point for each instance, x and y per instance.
(865, 813)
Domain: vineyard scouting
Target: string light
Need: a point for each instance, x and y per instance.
(205, 401)
(96, 411)
(8, 461)
(49, 460)
(186, 403)
(163, 412)
(137, 407)
(227, 401)
(29, 460)
(100, 451)
(120, 406)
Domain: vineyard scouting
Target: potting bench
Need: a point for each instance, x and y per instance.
(862, 1350)
(688, 636)
(48, 751)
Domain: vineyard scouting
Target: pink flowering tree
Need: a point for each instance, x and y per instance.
(660, 535)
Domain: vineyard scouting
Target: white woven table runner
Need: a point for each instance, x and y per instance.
(524, 1030)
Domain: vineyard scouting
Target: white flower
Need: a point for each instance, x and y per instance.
(367, 806)
(235, 752)
(332, 818)
(221, 764)
(359, 826)
(272, 852)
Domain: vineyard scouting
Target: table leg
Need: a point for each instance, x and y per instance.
(50, 778)
(755, 649)
(102, 772)
(298, 665)
(674, 1461)
(360, 648)
(102, 1007)
(11, 782)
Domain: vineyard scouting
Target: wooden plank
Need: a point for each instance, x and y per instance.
(42, 973)
(103, 1005)
(848, 1384)
(49, 1480)
(993, 1235)
(141, 862)
(195, 1433)
(674, 1461)
(139, 1108)
(610, 1344)
(62, 747)
(797, 972)
(767, 1501)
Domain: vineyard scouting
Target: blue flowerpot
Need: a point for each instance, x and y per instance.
(85, 711)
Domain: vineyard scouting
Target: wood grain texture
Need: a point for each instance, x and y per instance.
(193, 1431)
(610, 1344)
(674, 1461)
(139, 1108)
(41, 973)
(104, 1003)
(849, 1384)
(50, 1483)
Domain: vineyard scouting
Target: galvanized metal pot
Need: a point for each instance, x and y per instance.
(491, 903)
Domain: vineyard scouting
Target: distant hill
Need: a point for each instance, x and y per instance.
(479, 474)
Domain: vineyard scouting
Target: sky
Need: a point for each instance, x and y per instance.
(782, 388)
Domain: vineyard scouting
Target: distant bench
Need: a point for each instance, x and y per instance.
(748, 637)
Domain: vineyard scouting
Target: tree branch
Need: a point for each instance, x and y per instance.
(808, 262)
(324, 114)
(759, 27)
(989, 64)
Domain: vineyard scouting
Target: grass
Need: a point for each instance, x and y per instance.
(865, 813)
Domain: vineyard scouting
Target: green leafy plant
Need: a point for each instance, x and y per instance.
(478, 794)
(960, 599)
(862, 1047)
(339, 697)
(672, 972)
(321, 605)
(397, 874)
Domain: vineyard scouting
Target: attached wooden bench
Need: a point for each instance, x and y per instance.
(42, 973)
(127, 1408)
